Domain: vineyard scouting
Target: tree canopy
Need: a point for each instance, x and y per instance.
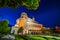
(20, 29)
(30, 4)
(4, 28)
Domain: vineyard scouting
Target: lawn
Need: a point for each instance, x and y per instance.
(32, 37)
(20, 37)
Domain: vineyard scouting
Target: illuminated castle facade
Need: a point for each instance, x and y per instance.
(29, 25)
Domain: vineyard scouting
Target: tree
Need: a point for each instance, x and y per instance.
(20, 30)
(4, 28)
(30, 4)
(43, 30)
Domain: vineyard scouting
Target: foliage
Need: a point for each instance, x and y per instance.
(20, 30)
(43, 30)
(30, 4)
(4, 26)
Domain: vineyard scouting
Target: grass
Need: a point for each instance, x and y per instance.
(32, 37)
(36, 37)
(18, 37)
(40, 38)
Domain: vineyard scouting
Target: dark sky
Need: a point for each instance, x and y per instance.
(47, 14)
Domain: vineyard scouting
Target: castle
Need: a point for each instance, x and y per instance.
(29, 24)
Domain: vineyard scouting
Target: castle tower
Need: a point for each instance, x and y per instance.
(23, 19)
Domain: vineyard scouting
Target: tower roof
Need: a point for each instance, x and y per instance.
(23, 13)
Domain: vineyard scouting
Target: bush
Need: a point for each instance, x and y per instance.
(4, 28)
(20, 30)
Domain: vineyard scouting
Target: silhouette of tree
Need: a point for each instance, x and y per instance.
(30, 4)
(20, 30)
(4, 26)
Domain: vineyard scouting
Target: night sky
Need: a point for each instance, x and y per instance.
(47, 14)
